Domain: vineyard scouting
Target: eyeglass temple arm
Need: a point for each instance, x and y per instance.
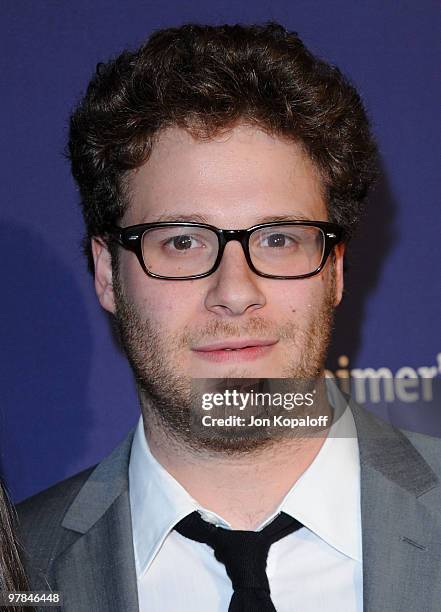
(116, 234)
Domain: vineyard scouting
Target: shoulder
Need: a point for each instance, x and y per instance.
(46, 509)
(410, 460)
(429, 447)
(51, 521)
(380, 433)
(40, 520)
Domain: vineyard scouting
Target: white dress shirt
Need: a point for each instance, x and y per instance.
(318, 567)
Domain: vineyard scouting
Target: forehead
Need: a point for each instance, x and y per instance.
(232, 179)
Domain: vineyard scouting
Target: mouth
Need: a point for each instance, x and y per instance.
(241, 349)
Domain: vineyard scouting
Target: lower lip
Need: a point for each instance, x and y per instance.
(245, 354)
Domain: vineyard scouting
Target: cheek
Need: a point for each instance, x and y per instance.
(169, 304)
(299, 296)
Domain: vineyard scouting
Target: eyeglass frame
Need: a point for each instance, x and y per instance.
(130, 238)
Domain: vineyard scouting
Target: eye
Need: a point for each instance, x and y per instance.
(182, 242)
(277, 240)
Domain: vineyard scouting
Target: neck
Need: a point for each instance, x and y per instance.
(243, 489)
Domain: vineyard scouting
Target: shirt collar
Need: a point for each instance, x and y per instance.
(326, 498)
(157, 501)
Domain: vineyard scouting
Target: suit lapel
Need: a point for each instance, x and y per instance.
(401, 531)
(97, 572)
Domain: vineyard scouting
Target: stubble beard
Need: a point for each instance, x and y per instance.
(169, 405)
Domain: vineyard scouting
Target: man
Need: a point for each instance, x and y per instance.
(222, 171)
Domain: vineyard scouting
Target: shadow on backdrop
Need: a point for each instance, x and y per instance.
(44, 356)
(367, 254)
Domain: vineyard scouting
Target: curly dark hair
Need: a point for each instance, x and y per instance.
(206, 79)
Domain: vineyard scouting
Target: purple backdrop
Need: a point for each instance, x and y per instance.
(67, 396)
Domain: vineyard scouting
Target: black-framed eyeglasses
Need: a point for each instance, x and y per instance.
(175, 250)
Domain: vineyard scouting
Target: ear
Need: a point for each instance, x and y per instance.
(338, 271)
(103, 274)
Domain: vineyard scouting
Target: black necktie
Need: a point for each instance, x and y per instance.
(244, 554)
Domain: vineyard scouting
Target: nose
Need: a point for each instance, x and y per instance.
(235, 287)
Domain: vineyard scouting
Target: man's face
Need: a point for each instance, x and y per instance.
(234, 181)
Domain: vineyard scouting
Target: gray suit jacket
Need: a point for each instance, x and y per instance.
(79, 539)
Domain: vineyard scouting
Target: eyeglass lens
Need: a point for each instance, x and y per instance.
(281, 250)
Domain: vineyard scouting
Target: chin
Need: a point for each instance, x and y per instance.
(239, 371)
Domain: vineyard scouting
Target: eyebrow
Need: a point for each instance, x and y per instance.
(198, 218)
